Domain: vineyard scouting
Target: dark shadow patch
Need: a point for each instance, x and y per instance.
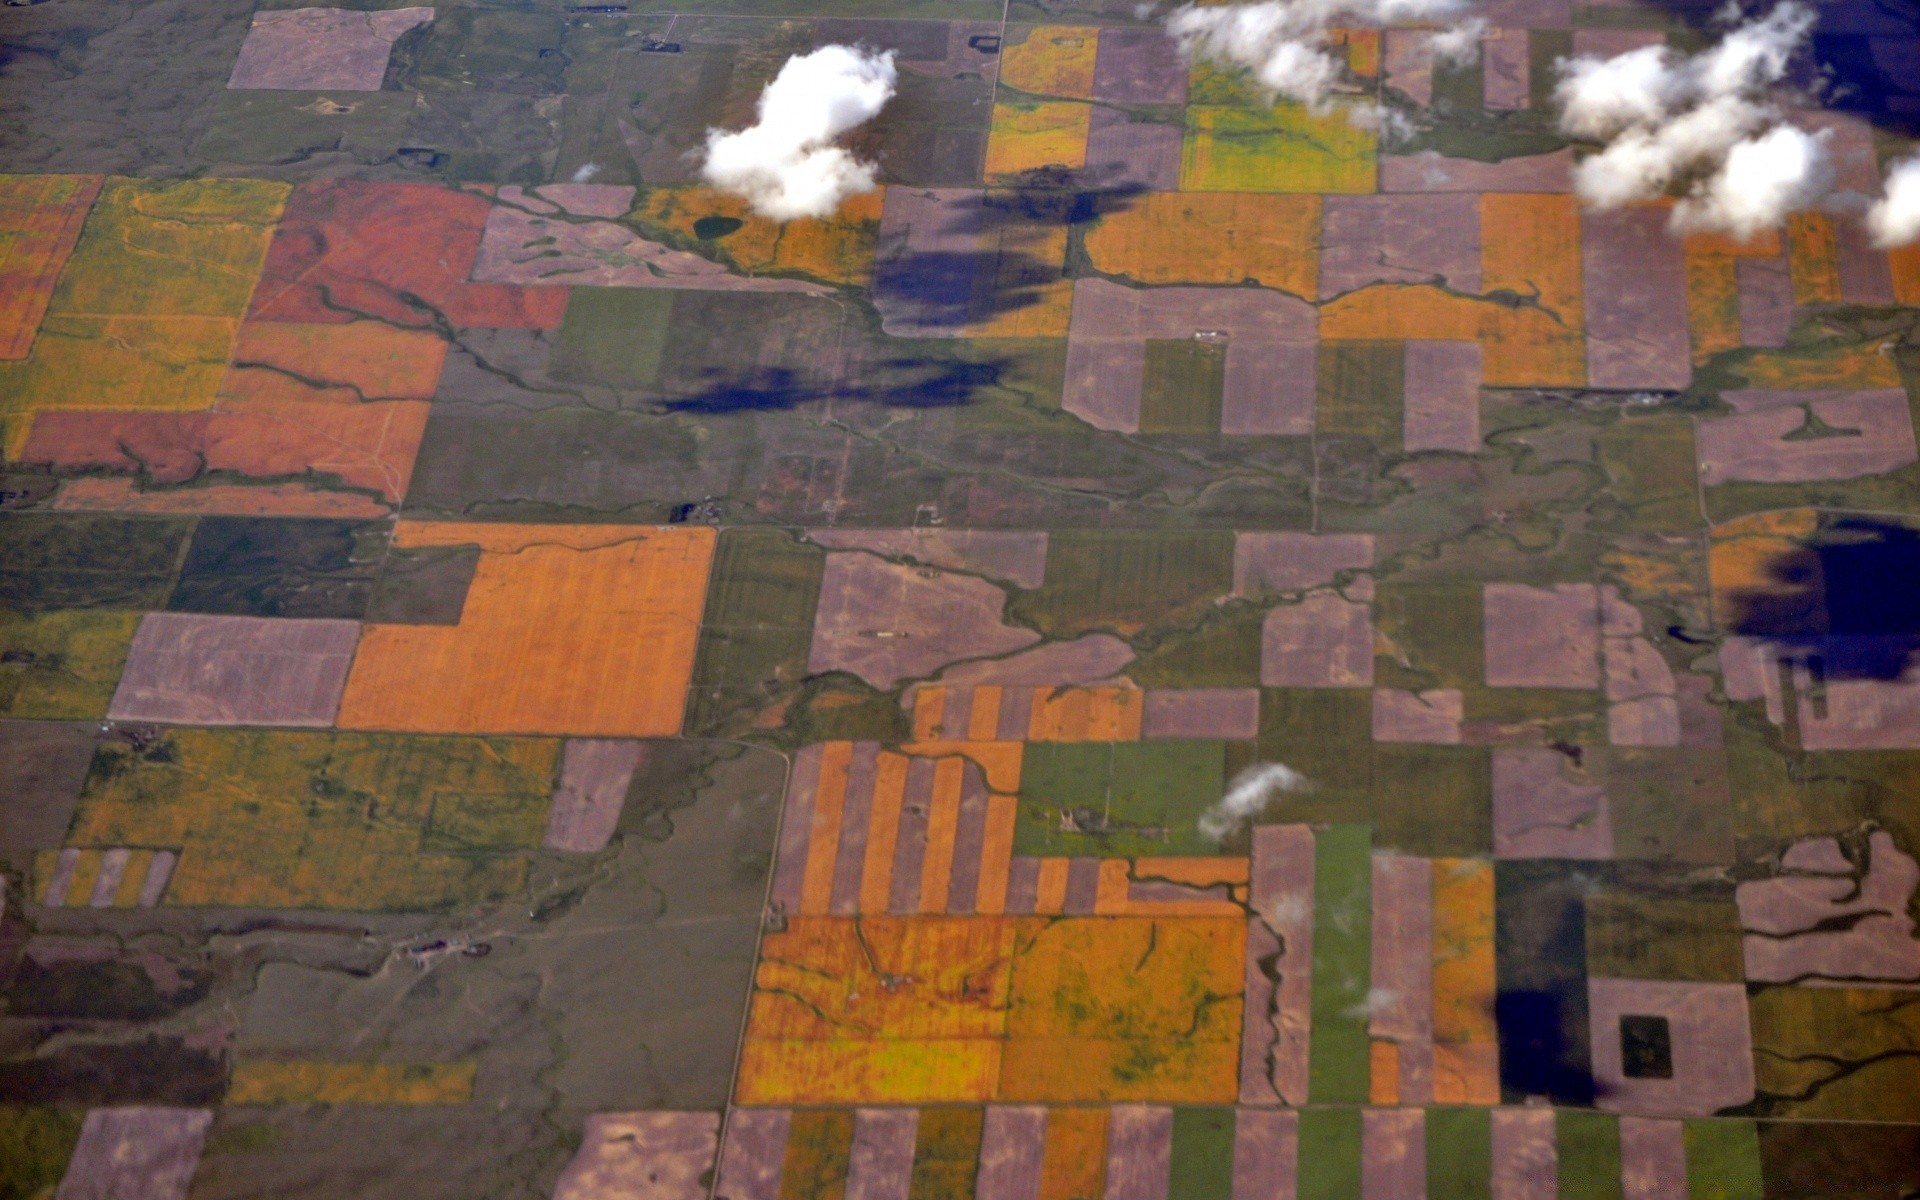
(710, 229)
(1538, 1048)
(1846, 602)
(1541, 967)
(1646, 1047)
(1864, 60)
(99, 990)
(987, 258)
(1875, 77)
(902, 382)
(154, 1070)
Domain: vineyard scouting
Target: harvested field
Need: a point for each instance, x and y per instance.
(1268, 336)
(190, 669)
(1399, 239)
(322, 49)
(887, 622)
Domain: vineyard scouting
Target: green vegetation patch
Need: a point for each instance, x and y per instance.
(1338, 1056)
(1184, 386)
(1636, 934)
(1118, 799)
(88, 560)
(758, 624)
(1361, 391)
(1126, 580)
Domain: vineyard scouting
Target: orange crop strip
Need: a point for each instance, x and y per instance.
(996, 855)
(943, 828)
(1813, 256)
(1713, 303)
(1050, 888)
(823, 838)
(1466, 1047)
(1905, 261)
(883, 832)
(929, 705)
(983, 719)
(586, 630)
(1073, 1165)
(1086, 715)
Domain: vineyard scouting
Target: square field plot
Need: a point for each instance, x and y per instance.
(974, 1009)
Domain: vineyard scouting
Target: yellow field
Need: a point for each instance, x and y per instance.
(63, 665)
(144, 314)
(1053, 60)
(1282, 149)
(323, 820)
(263, 1081)
(1032, 135)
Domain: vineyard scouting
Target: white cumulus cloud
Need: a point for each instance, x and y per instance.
(1895, 219)
(786, 164)
(1705, 127)
(1248, 796)
(1284, 43)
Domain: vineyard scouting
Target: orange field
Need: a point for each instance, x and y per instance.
(1813, 255)
(1535, 253)
(1213, 237)
(838, 249)
(1466, 1048)
(586, 630)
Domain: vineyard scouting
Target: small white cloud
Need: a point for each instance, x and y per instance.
(1458, 46)
(1704, 127)
(1895, 219)
(1248, 796)
(1783, 170)
(786, 164)
(1285, 43)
